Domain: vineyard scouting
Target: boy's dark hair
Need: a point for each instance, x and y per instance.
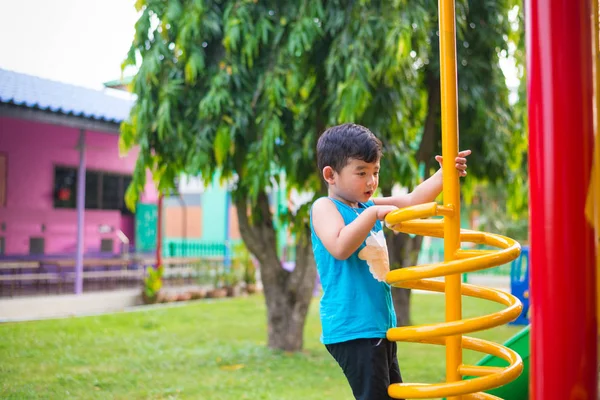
(342, 142)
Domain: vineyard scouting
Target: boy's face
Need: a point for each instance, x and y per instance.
(356, 182)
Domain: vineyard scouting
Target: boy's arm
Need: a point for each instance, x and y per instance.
(339, 239)
(428, 190)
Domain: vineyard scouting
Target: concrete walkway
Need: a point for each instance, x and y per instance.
(70, 305)
(41, 307)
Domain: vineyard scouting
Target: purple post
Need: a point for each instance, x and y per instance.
(80, 214)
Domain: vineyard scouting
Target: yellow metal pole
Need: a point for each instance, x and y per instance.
(451, 185)
(456, 262)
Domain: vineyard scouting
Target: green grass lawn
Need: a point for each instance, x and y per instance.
(201, 350)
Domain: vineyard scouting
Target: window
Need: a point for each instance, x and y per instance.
(103, 190)
(65, 187)
(36, 245)
(112, 194)
(92, 190)
(106, 245)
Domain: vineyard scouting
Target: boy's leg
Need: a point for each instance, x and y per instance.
(368, 366)
(395, 375)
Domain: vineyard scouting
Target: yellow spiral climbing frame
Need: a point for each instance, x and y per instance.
(456, 262)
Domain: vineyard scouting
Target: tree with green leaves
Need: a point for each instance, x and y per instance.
(245, 87)
(489, 125)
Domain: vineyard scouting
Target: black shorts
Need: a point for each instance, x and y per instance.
(370, 365)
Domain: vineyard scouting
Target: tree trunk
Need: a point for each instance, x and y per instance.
(287, 294)
(404, 250)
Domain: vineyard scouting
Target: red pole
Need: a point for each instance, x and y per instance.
(560, 88)
(159, 227)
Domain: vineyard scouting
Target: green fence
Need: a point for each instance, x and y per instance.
(173, 247)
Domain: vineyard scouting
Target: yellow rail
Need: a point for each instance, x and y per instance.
(456, 261)
(408, 220)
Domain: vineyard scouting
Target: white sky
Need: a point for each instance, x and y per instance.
(81, 42)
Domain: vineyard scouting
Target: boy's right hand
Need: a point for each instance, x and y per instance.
(382, 211)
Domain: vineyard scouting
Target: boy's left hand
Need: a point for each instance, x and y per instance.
(461, 162)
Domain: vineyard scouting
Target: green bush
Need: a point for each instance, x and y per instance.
(152, 284)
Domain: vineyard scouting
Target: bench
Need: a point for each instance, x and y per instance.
(61, 272)
(19, 265)
(122, 273)
(18, 275)
(91, 264)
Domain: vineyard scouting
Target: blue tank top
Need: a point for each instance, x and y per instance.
(354, 304)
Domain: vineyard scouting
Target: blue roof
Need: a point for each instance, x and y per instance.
(62, 98)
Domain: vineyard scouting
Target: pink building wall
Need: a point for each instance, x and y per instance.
(32, 150)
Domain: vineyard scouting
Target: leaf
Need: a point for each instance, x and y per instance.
(222, 144)
(194, 66)
(139, 4)
(126, 138)
(174, 10)
(164, 119)
(232, 35)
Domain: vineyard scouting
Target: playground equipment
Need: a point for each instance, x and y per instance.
(456, 262)
(565, 273)
(519, 388)
(450, 333)
(565, 276)
(519, 284)
(561, 140)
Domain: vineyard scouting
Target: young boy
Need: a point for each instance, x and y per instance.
(356, 309)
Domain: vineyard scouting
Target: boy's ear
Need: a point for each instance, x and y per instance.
(329, 175)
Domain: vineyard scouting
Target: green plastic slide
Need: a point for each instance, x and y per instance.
(519, 388)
